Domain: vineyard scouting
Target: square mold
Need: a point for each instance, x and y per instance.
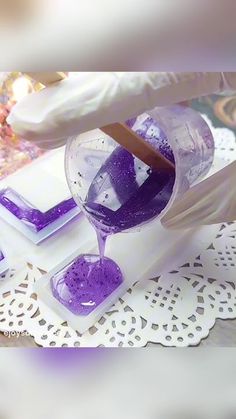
(81, 323)
(36, 199)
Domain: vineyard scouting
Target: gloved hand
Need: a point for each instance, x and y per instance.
(209, 202)
(86, 101)
(89, 100)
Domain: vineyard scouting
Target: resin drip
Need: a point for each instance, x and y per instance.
(101, 237)
(125, 193)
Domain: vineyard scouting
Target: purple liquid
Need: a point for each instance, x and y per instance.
(136, 194)
(151, 132)
(35, 219)
(85, 283)
(125, 193)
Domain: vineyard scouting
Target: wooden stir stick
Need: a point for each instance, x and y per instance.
(121, 133)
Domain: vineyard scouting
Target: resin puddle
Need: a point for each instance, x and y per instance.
(124, 194)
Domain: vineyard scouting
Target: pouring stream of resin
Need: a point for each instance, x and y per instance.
(125, 193)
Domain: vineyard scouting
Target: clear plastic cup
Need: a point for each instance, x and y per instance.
(180, 133)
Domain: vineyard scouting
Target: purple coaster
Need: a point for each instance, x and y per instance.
(33, 218)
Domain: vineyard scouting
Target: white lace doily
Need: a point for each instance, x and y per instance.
(177, 309)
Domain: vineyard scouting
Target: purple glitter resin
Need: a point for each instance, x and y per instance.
(33, 218)
(151, 132)
(142, 193)
(85, 283)
(137, 193)
(1, 256)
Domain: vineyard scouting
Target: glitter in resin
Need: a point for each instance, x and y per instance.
(33, 218)
(151, 132)
(126, 193)
(85, 283)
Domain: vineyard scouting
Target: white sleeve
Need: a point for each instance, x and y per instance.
(92, 100)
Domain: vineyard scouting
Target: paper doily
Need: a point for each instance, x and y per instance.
(177, 309)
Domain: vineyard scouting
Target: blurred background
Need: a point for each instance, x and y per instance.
(105, 35)
(14, 152)
(114, 384)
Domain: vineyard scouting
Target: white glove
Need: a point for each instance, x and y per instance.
(209, 202)
(86, 101)
(89, 100)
